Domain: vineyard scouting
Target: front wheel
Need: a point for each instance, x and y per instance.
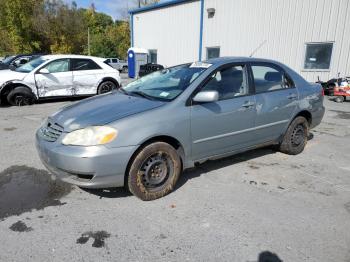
(20, 96)
(105, 87)
(154, 171)
(295, 138)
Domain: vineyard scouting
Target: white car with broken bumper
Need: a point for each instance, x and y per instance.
(57, 76)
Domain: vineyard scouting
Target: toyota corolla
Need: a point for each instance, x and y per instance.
(144, 135)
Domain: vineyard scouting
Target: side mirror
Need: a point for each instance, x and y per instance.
(12, 67)
(44, 71)
(206, 97)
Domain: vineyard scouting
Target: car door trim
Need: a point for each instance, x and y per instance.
(240, 132)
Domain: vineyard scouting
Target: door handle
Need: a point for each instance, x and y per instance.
(292, 96)
(248, 104)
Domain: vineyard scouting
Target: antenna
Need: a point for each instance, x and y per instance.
(256, 49)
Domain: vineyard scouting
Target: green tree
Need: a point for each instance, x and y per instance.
(52, 26)
(17, 20)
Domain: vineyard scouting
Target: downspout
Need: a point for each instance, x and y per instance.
(132, 30)
(201, 31)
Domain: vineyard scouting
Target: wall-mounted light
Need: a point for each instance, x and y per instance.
(211, 12)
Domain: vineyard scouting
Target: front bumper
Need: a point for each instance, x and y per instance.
(89, 167)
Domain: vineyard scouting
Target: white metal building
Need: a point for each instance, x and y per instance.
(311, 36)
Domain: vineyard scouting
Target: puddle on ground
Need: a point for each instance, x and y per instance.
(9, 129)
(98, 236)
(20, 226)
(347, 206)
(23, 189)
(342, 114)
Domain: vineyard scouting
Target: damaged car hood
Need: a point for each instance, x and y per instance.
(7, 75)
(101, 110)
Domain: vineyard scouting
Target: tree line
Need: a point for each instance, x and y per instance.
(52, 26)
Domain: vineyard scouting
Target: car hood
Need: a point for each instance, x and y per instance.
(101, 110)
(7, 75)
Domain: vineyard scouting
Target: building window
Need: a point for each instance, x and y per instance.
(213, 52)
(153, 56)
(318, 56)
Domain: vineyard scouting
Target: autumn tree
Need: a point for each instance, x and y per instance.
(53, 26)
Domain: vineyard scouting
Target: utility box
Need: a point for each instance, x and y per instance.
(136, 58)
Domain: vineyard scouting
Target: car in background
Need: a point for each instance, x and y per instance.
(120, 65)
(57, 76)
(149, 68)
(15, 61)
(145, 134)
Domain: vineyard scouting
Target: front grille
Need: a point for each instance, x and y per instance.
(51, 131)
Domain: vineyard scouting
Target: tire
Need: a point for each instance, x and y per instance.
(21, 96)
(339, 99)
(295, 138)
(105, 87)
(154, 171)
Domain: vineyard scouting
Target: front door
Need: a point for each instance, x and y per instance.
(227, 124)
(276, 100)
(57, 81)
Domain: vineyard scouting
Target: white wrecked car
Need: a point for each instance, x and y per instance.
(57, 76)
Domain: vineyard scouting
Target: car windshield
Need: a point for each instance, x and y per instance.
(7, 60)
(28, 67)
(166, 84)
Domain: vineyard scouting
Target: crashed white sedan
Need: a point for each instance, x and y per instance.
(57, 76)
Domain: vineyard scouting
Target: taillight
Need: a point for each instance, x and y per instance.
(322, 92)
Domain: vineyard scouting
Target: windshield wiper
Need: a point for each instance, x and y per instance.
(122, 90)
(142, 94)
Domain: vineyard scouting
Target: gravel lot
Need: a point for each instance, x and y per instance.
(297, 207)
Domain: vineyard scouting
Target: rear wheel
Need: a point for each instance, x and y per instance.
(295, 138)
(154, 171)
(105, 87)
(20, 96)
(339, 99)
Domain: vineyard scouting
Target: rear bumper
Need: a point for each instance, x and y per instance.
(89, 167)
(317, 116)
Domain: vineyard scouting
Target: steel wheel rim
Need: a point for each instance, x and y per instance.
(298, 135)
(106, 87)
(21, 100)
(156, 170)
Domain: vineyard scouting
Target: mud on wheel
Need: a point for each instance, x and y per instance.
(154, 171)
(295, 138)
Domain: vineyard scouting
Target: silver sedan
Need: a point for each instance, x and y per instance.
(144, 135)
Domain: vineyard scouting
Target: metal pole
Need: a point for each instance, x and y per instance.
(89, 51)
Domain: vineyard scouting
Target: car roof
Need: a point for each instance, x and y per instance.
(233, 59)
(73, 56)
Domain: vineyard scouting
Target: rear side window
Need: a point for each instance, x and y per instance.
(84, 64)
(230, 82)
(114, 60)
(269, 78)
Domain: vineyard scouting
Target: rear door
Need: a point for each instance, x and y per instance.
(86, 76)
(225, 125)
(58, 82)
(276, 100)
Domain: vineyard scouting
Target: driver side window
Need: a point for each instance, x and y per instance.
(58, 66)
(230, 82)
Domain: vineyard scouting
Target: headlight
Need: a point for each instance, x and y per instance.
(90, 136)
